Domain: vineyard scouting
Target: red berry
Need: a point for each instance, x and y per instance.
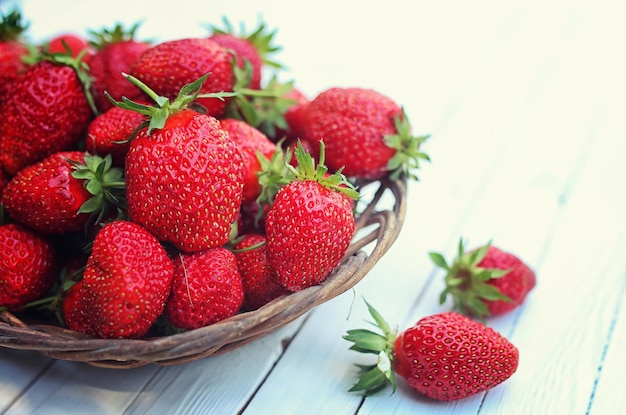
(28, 263)
(444, 356)
(206, 288)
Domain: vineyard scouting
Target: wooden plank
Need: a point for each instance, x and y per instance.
(216, 385)
(607, 396)
(78, 388)
(22, 369)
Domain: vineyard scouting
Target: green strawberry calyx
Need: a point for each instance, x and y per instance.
(374, 377)
(261, 38)
(307, 170)
(12, 26)
(263, 108)
(467, 283)
(273, 174)
(407, 146)
(104, 182)
(117, 34)
(158, 113)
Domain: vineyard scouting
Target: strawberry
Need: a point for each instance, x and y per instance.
(310, 224)
(184, 175)
(61, 193)
(294, 116)
(445, 356)
(12, 49)
(168, 66)
(28, 264)
(485, 281)
(253, 49)
(115, 52)
(260, 283)
(126, 281)
(110, 133)
(67, 42)
(47, 111)
(73, 310)
(4, 180)
(365, 132)
(206, 288)
(250, 142)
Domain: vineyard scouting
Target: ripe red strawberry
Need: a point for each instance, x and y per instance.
(206, 288)
(12, 49)
(116, 51)
(64, 41)
(364, 131)
(126, 281)
(73, 310)
(47, 111)
(486, 281)
(28, 264)
(260, 283)
(254, 48)
(61, 193)
(294, 115)
(170, 65)
(444, 356)
(4, 180)
(250, 142)
(184, 175)
(310, 224)
(110, 133)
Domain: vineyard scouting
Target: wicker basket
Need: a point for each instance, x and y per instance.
(378, 225)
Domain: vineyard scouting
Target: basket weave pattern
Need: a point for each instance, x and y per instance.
(377, 228)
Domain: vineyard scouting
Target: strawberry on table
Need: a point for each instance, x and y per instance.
(61, 193)
(28, 263)
(184, 175)
(310, 224)
(126, 281)
(206, 288)
(445, 356)
(486, 281)
(365, 132)
(116, 50)
(48, 110)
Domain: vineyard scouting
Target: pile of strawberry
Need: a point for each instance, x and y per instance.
(148, 188)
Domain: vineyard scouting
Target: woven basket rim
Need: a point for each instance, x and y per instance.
(375, 226)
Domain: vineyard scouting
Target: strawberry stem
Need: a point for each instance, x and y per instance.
(468, 283)
(157, 115)
(307, 170)
(375, 377)
(407, 146)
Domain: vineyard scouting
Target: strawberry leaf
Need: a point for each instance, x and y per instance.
(374, 377)
(439, 260)
(467, 283)
(408, 155)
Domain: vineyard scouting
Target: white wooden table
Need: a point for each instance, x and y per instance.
(526, 107)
